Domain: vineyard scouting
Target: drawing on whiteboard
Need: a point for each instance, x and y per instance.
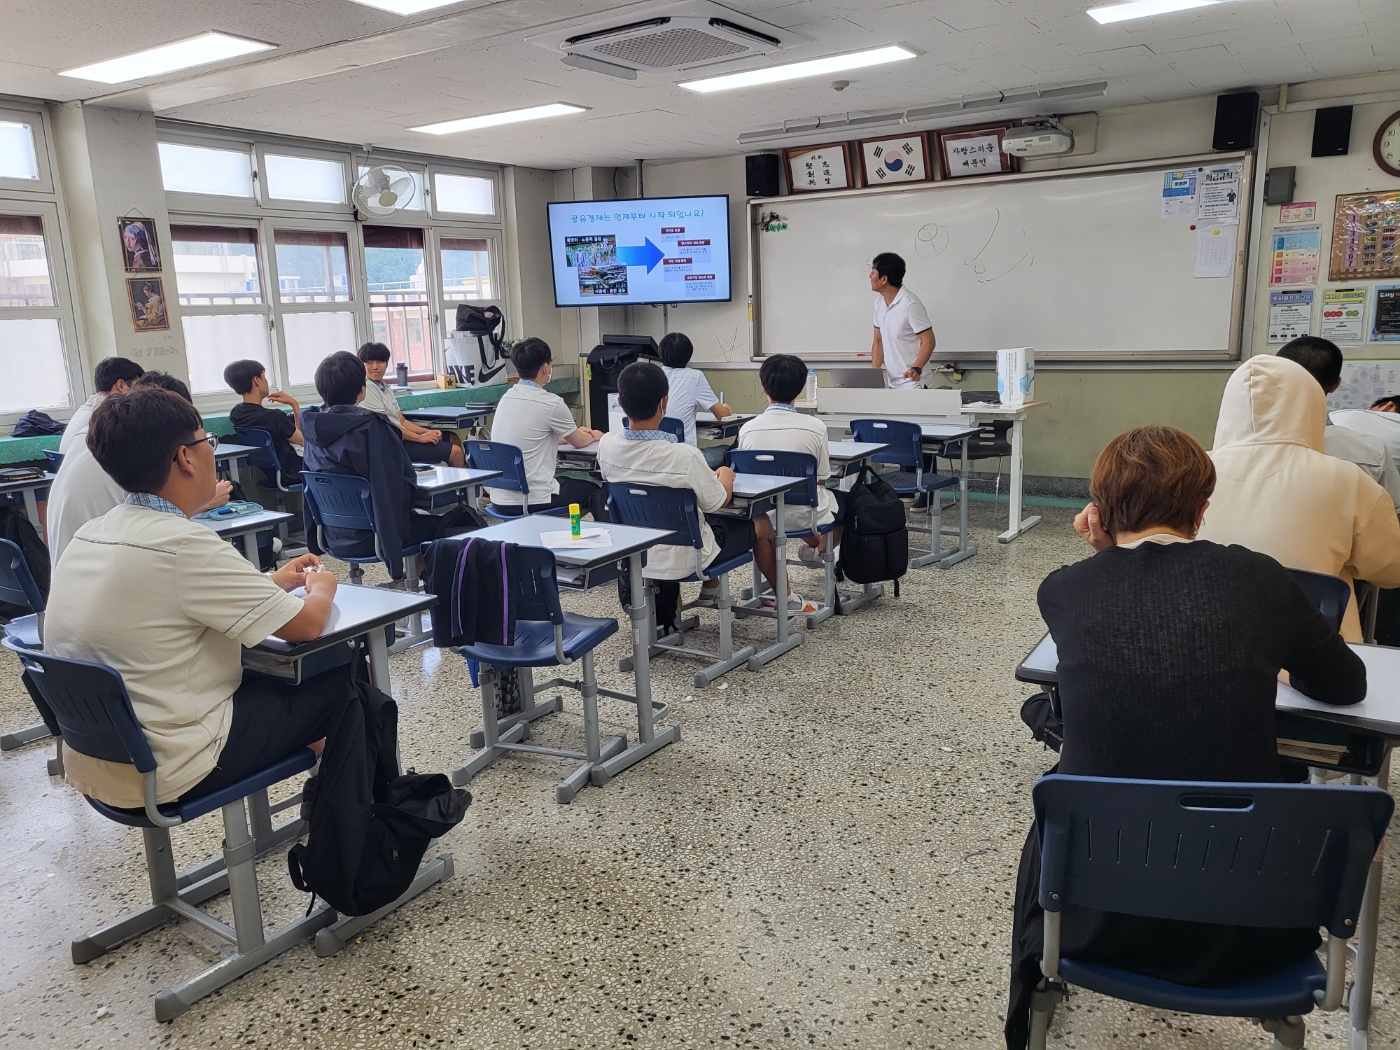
(1001, 261)
(931, 241)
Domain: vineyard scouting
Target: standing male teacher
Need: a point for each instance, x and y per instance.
(903, 333)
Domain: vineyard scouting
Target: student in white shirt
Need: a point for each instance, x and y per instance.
(1381, 420)
(781, 428)
(423, 444)
(170, 606)
(904, 338)
(537, 422)
(647, 455)
(690, 390)
(113, 375)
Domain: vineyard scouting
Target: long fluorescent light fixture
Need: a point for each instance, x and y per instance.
(815, 67)
(1143, 9)
(493, 120)
(168, 58)
(407, 7)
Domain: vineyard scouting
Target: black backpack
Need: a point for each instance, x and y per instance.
(875, 536)
(369, 824)
(17, 528)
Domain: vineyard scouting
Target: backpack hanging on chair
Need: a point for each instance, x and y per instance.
(487, 324)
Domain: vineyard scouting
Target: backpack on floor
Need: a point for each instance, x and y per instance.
(875, 536)
(16, 528)
(369, 824)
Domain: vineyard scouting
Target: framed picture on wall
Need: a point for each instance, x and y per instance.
(898, 158)
(812, 169)
(146, 297)
(140, 253)
(963, 152)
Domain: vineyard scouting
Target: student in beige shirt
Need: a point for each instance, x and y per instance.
(423, 444)
(170, 606)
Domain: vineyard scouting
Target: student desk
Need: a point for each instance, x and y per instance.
(721, 428)
(28, 489)
(583, 569)
(244, 530)
(448, 417)
(439, 486)
(228, 457)
(847, 454)
(1376, 718)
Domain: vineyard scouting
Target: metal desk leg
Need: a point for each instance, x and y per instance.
(1367, 932)
(1018, 524)
(31, 509)
(787, 638)
(965, 548)
(249, 542)
(379, 660)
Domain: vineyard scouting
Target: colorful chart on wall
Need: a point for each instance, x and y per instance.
(1296, 253)
(1366, 237)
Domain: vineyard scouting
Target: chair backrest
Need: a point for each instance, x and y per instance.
(1229, 854)
(534, 588)
(906, 441)
(783, 464)
(55, 458)
(17, 586)
(340, 501)
(90, 705)
(672, 425)
(264, 455)
(657, 507)
(497, 455)
(1328, 593)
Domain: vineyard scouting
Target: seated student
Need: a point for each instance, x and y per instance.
(690, 390)
(248, 379)
(1169, 653)
(647, 455)
(1381, 420)
(781, 428)
(343, 437)
(113, 375)
(171, 606)
(1323, 359)
(1278, 493)
(535, 421)
(424, 444)
(82, 490)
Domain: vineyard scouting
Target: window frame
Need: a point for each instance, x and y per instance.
(433, 169)
(263, 189)
(431, 281)
(355, 306)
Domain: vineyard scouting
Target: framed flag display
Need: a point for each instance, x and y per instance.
(897, 159)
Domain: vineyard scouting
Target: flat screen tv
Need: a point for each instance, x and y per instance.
(650, 250)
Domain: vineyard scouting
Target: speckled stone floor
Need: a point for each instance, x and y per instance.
(826, 859)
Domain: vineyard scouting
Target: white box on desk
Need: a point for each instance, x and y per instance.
(1016, 375)
(895, 404)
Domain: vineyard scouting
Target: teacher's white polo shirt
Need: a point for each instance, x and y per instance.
(900, 324)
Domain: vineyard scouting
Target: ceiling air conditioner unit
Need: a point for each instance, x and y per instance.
(663, 38)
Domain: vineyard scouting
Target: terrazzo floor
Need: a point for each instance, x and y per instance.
(826, 859)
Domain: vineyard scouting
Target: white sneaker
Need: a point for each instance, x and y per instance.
(809, 555)
(797, 605)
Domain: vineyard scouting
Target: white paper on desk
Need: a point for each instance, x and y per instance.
(1215, 250)
(562, 541)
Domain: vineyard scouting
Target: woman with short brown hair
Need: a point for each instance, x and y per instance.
(1169, 654)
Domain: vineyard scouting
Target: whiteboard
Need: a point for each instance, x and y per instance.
(1074, 264)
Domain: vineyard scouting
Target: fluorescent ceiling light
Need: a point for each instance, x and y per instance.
(157, 61)
(815, 67)
(407, 7)
(1144, 9)
(491, 120)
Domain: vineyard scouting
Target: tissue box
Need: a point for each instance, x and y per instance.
(1016, 375)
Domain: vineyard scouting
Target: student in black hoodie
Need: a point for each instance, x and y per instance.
(343, 438)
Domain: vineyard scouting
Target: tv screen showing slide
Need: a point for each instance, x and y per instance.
(651, 250)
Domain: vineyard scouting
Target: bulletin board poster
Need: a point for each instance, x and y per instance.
(1364, 383)
(1290, 315)
(1385, 315)
(1344, 316)
(1296, 255)
(1366, 237)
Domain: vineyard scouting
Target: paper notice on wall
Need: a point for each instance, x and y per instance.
(1290, 315)
(1215, 250)
(1179, 194)
(1344, 316)
(1296, 252)
(1219, 194)
(1301, 211)
(1364, 383)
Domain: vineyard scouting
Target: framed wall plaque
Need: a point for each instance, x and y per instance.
(963, 152)
(895, 159)
(812, 169)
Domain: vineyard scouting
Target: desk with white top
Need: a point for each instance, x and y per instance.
(245, 528)
(437, 487)
(721, 428)
(448, 417)
(229, 456)
(28, 489)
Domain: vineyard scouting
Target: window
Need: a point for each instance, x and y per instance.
(466, 268)
(223, 310)
(313, 292)
(17, 157)
(304, 179)
(36, 328)
(398, 296)
(200, 169)
(463, 194)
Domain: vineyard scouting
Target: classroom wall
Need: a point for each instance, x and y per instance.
(530, 291)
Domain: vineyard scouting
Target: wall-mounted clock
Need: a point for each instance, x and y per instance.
(1387, 145)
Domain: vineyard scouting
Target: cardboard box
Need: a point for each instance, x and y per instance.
(1016, 375)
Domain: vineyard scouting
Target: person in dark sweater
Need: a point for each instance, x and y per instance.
(1170, 650)
(248, 379)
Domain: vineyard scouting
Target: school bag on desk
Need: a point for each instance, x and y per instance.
(875, 536)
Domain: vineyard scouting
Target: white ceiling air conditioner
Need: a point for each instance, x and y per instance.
(663, 38)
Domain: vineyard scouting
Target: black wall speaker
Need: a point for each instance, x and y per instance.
(761, 175)
(1236, 118)
(1332, 132)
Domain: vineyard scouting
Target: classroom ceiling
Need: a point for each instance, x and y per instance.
(350, 73)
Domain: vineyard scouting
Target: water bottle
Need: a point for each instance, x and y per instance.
(403, 374)
(811, 384)
(575, 522)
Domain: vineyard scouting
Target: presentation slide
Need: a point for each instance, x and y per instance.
(652, 250)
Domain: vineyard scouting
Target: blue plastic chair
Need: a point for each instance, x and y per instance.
(55, 458)
(1329, 593)
(544, 636)
(906, 451)
(17, 587)
(264, 457)
(1269, 855)
(510, 461)
(796, 465)
(343, 501)
(677, 511)
(669, 425)
(90, 705)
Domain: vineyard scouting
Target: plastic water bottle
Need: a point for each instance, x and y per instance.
(811, 384)
(575, 522)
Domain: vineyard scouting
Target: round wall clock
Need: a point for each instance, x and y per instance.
(1387, 145)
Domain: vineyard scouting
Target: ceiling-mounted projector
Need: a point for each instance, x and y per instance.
(1042, 138)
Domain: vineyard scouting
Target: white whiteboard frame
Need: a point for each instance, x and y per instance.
(1241, 282)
